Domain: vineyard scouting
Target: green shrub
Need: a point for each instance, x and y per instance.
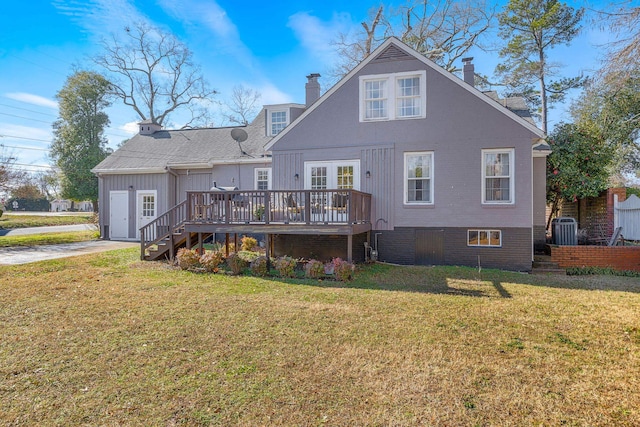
(343, 270)
(259, 266)
(248, 256)
(210, 260)
(235, 263)
(187, 259)
(314, 269)
(608, 271)
(286, 266)
(248, 243)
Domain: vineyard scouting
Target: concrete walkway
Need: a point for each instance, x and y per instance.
(26, 254)
(49, 229)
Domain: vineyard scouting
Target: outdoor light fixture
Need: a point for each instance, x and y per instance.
(130, 187)
(296, 176)
(368, 174)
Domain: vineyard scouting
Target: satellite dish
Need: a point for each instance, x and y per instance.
(239, 135)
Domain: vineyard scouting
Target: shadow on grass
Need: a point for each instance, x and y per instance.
(461, 281)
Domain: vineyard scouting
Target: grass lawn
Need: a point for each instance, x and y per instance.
(22, 221)
(106, 339)
(48, 238)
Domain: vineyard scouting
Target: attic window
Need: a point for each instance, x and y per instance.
(393, 96)
(278, 120)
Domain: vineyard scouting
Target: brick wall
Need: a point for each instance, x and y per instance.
(594, 214)
(616, 257)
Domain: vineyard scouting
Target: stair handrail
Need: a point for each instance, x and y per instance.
(162, 227)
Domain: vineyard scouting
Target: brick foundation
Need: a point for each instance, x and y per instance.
(616, 257)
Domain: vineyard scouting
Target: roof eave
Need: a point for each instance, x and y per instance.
(489, 101)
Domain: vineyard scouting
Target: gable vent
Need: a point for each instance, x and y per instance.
(392, 53)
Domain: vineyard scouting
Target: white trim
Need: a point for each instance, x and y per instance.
(410, 51)
(138, 208)
(255, 177)
(128, 171)
(270, 112)
(332, 168)
(488, 231)
(391, 80)
(406, 178)
(241, 161)
(126, 193)
(512, 176)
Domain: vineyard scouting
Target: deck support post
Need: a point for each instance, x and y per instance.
(200, 245)
(267, 247)
(226, 244)
(189, 244)
(350, 248)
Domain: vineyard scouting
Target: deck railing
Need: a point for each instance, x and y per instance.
(279, 207)
(162, 227)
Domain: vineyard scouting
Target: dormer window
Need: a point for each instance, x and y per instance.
(278, 120)
(393, 96)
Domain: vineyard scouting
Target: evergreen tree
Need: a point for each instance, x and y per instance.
(79, 143)
(532, 28)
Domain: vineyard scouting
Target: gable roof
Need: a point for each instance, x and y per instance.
(393, 49)
(187, 148)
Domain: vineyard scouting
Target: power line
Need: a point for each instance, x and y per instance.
(26, 118)
(24, 148)
(26, 109)
(28, 139)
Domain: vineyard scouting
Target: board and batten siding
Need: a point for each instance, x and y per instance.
(162, 183)
(457, 127)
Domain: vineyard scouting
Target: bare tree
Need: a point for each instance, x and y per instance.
(623, 55)
(443, 31)
(242, 106)
(352, 49)
(153, 73)
(9, 174)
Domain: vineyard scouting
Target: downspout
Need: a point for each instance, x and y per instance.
(175, 186)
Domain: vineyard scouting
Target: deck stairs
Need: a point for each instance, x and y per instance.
(162, 237)
(542, 264)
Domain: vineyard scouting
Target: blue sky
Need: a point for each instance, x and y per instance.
(267, 46)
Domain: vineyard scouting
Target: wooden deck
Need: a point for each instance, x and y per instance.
(299, 212)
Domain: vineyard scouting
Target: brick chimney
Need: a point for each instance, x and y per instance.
(312, 89)
(468, 71)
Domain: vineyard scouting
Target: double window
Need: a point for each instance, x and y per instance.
(497, 176)
(418, 178)
(393, 96)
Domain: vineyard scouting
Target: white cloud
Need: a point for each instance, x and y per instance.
(101, 17)
(317, 36)
(30, 98)
(9, 130)
(130, 128)
(210, 16)
(273, 95)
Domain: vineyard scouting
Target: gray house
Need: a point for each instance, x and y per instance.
(400, 161)
(454, 176)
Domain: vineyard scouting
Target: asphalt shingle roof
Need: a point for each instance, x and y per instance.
(188, 146)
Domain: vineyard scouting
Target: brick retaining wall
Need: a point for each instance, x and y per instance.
(616, 257)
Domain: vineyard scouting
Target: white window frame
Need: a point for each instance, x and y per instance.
(510, 176)
(392, 95)
(256, 174)
(406, 178)
(270, 120)
(332, 172)
(488, 231)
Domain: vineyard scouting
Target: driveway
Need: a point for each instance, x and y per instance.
(49, 229)
(27, 254)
